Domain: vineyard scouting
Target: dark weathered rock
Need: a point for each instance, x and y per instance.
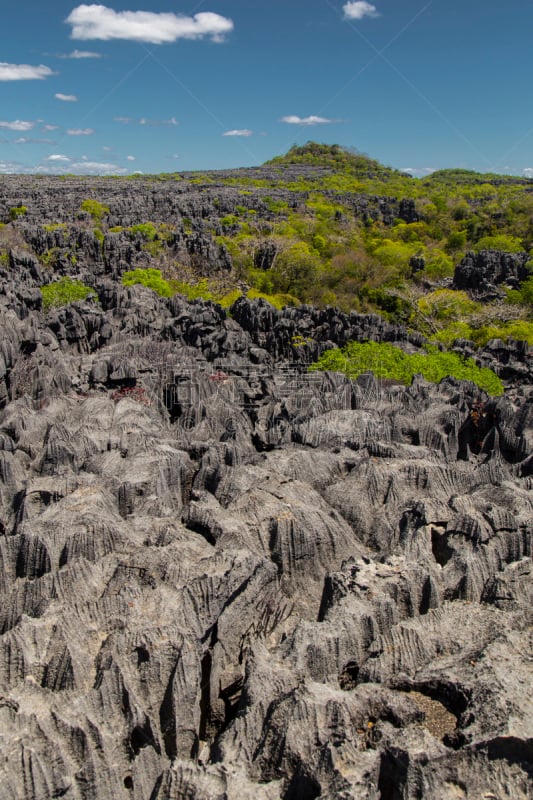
(222, 576)
(481, 272)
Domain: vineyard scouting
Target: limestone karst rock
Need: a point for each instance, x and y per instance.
(224, 577)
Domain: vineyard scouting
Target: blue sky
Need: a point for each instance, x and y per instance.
(159, 86)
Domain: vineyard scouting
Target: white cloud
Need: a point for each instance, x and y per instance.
(31, 140)
(238, 132)
(107, 149)
(81, 54)
(292, 119)
(67, 98)
(418, 172)
(96, 168)
(528, 172)
(10, 167)
(154, 123)
(23, 72)
(18, 125)
(61, 165)
(80, 131)
(100, 22)
(130, 158)
(50, 127)
(359, 10)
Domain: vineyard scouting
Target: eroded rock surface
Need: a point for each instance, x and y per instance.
(224, 577)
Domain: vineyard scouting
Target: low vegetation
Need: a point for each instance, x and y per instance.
(95, 209)
(387, 361)
(203, 289)
(17, 211)
(330, 226)
(62, 292)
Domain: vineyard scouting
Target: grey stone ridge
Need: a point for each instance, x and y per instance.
(225, 578)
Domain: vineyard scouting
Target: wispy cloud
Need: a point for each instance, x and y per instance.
(293, 119)
(23, 72)
(31, 140)
(359, 9)
(66, 98)
(18, 125)
(100, 22)
(154, 123)
(80, 54)
(80, 131)
(96, 168)
(50, 127)
(418, 172)
(11, 167)
(58, 164)
(238, 132)
(130, 158)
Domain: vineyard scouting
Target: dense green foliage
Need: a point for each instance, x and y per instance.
(201, 290)
(151, 278)
(326, 254)
(385, 360)
(321, 224)
(147, 230)
(18, 211)
(62, 292)
(95, 209)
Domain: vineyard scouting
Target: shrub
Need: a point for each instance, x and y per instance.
(438, 265)
(147, 230)
(453, 331)
(387, 361)
(95, 209)
(523, 295)
(518, 329)
(18, 211)
(150, 278)
(155, 247)
(192, 291)
(227, 300)
(55, 226)
(505, 242)
(447, 304)
(62, 292)
(278, 300)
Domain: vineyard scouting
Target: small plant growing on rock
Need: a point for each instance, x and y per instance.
(147, 230)
(95, 209)
(62, 292)
(151, 278)
(18, 211)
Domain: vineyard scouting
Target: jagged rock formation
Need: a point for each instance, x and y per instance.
(55, 227)
(225, 577)
(480, 273)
